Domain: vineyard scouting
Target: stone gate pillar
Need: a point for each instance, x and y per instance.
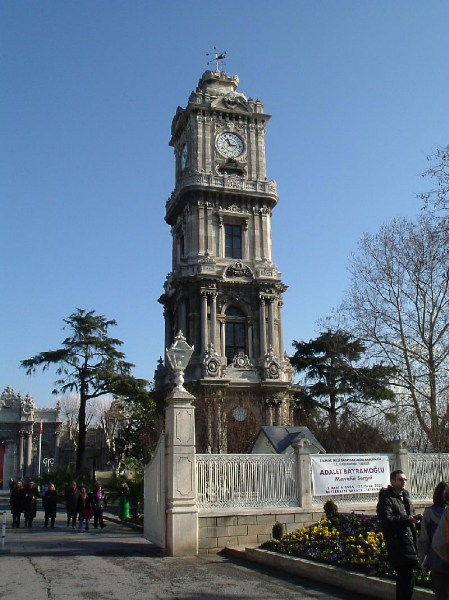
(182, 512)
(181, 509)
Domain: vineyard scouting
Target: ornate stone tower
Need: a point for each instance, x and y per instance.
(224, 291)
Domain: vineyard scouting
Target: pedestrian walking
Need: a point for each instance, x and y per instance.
(430, 560)
(17, 503)
(99, 503)
(30, 509)
(49, 502)
(84, 509)
(72, 495)
(398, 525)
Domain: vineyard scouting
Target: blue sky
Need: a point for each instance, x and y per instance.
(358, 92)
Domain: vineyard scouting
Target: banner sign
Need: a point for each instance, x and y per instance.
(349, 474)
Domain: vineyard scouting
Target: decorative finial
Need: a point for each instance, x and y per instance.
(218, 58)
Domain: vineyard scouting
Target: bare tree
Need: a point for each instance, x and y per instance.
(399, 303)
(437, 198)
(112, 421)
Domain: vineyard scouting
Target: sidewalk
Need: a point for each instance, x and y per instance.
(116, 537)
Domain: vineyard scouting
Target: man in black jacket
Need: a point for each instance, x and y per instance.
(397, 522)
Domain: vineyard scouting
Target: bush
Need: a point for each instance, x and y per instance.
(278, 531)
(331, 511)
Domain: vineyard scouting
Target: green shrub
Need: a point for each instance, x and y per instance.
(278, 531)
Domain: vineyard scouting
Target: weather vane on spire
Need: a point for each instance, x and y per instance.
(218, 58)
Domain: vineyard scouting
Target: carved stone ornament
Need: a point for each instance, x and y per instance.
(238, 269)
(9, 398)
(27, 405)
(241, 361)
(271, 365)
(212, 362)
(233, 100)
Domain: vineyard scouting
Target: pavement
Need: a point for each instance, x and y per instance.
(117, 562)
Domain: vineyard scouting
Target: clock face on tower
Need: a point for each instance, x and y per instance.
(230, 145)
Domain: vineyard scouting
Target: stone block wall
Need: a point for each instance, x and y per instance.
(248, 528)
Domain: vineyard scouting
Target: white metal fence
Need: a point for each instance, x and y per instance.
(246, 480)
(425, 471)
(267, 480)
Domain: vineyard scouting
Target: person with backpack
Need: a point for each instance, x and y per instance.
(429, 558)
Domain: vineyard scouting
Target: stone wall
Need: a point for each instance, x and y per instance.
(248, 528)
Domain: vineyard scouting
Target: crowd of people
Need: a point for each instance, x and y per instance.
(81, 506)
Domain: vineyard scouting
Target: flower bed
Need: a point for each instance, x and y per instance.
(350, 541)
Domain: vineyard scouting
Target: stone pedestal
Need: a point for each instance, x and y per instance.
(181, 509)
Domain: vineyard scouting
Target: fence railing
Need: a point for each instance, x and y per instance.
(425, 471)
(227, 481)
(246, 480)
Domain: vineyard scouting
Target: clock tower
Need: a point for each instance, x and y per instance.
(224, 292)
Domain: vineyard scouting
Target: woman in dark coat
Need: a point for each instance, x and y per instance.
(31, 496)
(49, 501)
(17, 502)
(99, 504)
(430, 561)
(85, 509)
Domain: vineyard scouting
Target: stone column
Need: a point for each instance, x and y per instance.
(257, 236)
(250, 341)
(204, 328)
(181, 509)
(263, 332)
(278, 412)
(56, 454)
(223, 337)
(28, 451)
(303, 449)
(21, 461)
(271, 324)
(213, 320)
(221, 241)
(201, 228)
(401, 459)
(280, 332)
(263, 237)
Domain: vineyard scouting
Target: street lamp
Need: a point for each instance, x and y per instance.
(178, 356)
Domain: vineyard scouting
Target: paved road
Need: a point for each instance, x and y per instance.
(117, 563)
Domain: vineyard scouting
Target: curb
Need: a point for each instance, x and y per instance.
(371, 587)
(124, 522)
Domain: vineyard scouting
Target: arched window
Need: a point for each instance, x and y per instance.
(235, 332)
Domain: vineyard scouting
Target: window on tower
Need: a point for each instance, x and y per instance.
(233, 241)
(235, 332)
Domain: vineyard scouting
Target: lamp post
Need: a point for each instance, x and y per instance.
(181, 510)
(178, 356)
